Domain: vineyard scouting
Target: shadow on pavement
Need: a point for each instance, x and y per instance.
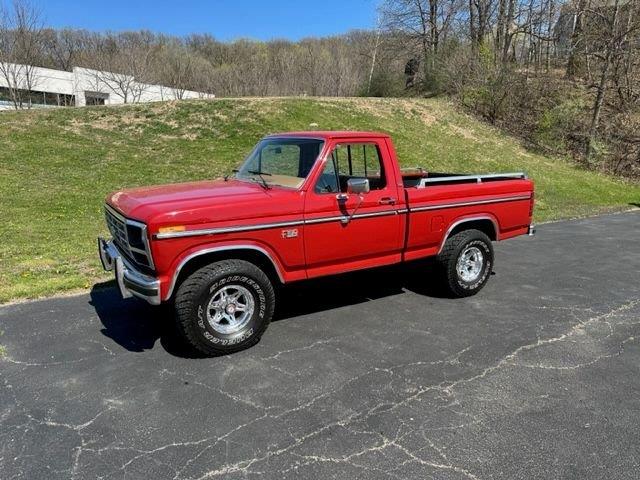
(137, 326)
(337, 291)
(134, 324)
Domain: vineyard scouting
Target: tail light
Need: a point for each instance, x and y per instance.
(531, 204)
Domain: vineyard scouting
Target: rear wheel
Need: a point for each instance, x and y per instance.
(224, 307)
(466, 261)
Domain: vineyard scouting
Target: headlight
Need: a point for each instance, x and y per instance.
(135, 236)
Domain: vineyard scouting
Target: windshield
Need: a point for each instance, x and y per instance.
(281, 161)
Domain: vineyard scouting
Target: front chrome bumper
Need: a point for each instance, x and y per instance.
(130, 281)
(532, 230)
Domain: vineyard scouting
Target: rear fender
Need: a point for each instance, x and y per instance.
(460, 222)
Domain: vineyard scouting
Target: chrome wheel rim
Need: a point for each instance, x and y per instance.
(470, 264)
(230, 309)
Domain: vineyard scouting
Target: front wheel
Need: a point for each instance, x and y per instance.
(224, 307)
(466, 261)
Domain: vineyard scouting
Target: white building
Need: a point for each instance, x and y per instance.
(44, 87)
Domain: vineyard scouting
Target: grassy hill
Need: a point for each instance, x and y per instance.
(56, 166)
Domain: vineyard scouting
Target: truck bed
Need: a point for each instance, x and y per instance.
(436, 201)
(419, 178)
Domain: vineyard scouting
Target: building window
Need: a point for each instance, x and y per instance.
(36, 98)
(5, 95)
(95, 98)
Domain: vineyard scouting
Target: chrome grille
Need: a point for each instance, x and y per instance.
(118, 230)
(117, 225)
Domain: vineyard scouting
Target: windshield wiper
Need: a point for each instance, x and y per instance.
(260, 174)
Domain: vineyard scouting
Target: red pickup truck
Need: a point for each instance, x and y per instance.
(302, 205)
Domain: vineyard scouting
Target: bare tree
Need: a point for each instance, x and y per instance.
(20, 48)
(609, 28)
(480, 21)
(424, 23)
(122, 64)
(175, 67)
(63, 48)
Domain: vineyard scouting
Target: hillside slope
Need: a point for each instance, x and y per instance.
(56, 167)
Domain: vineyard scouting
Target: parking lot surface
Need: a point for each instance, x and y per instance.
(369, 375)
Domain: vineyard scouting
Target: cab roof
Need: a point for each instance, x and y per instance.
(327, 134)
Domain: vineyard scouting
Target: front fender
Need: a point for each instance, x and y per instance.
(168, 283)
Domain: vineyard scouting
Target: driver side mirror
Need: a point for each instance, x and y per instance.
(358, 186)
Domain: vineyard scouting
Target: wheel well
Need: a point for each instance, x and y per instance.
(485, 225)
(259, 259)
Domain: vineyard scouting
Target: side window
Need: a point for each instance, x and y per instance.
(353, 160)
(374, 162)
(366, 163)
(328, 181)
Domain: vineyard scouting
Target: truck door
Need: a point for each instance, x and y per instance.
(344, 230)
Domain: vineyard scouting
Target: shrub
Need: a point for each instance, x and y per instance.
(558, 124)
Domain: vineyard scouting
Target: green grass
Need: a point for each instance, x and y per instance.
(56, 167)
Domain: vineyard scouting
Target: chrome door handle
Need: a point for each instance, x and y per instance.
(387, 201)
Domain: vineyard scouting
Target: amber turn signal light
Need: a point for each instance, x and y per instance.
(175, 228)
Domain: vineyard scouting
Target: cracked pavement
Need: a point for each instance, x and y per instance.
(369, 375)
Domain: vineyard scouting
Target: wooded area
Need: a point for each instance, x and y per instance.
(563, 75)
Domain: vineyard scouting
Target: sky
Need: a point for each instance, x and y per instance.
(224, 19)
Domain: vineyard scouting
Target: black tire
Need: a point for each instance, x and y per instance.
(204, 286)
(447, 261)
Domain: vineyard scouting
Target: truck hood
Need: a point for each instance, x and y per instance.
(197, 202)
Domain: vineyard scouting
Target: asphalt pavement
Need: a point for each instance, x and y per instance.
(369, 375)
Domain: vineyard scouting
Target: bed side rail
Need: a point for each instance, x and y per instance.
(471, 178)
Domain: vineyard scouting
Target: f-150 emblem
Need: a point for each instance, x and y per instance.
(290, 233)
